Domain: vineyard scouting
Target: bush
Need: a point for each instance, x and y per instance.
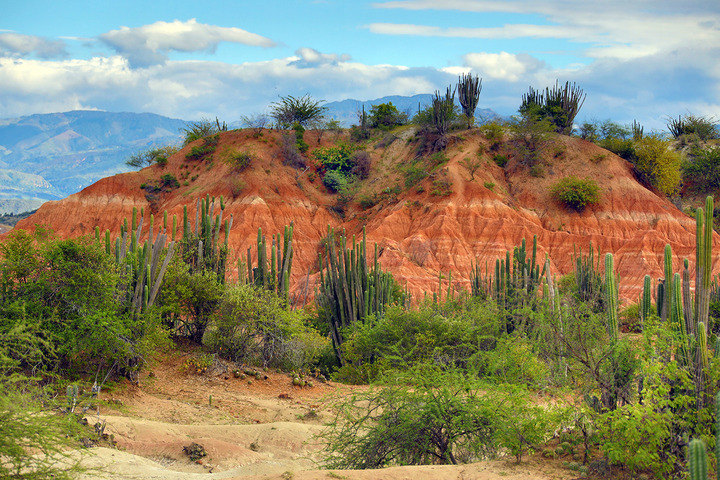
(702, 174)
(385, 116)
(657, 164)
(432, 417)
(201, 129)
(576, 193)
(238, 160)
(336, 158)
(152, 156)
(169, 181)
(403, 338)
(253, 326)
(335, 181)
(500, 160)
(207, 148)
(302, 110)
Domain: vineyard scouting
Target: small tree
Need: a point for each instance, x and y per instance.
(469, 88)
(290, 110)
(576, 193)
(158, 155)
(386, 116)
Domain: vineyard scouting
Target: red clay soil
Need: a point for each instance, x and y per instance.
(419, 231)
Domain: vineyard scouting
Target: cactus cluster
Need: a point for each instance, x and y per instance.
(140, 263)
(202, 248)
(272, 274)
(349, 289)
(517, 278)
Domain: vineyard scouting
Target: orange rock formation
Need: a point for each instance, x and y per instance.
(419, 230)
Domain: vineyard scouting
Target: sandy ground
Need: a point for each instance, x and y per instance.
(259, 430)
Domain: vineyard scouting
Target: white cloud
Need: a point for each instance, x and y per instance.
(309, 57)
(150, 44)
(503, 65)
(614, 27)
(18, 45)
(192, 89)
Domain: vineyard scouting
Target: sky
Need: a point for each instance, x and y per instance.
(641, 60)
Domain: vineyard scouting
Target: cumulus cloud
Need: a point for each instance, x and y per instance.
(503, 65)
(150, 44)
(309, 57)
(18, 45)
(193, 89)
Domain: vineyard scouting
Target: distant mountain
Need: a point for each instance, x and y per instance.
(50, 156)
(345, 111)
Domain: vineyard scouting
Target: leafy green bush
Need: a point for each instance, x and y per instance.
(335, 181)
(201, 129)
(385, 116)
(336, 158)
(432, 416)
(73, 292)
(576, 193)
(657, 163)
(152, 156)
(238, 160)
(207, 148)
(302, 110)
(254, 326)
(511, 361)
(702, 173)
(500, 160)
(169, 181)
(403, 338)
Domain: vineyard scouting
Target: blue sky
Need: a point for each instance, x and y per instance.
(645, 59)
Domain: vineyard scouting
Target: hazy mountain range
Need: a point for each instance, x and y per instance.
(50, 156)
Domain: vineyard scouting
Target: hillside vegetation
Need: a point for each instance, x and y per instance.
(494, 285)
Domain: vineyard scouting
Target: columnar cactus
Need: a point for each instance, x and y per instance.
(611, 298)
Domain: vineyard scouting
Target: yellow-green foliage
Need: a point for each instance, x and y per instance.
(658, 164)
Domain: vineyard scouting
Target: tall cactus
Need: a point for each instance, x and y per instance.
(275, 275)
(611, 298)
(349, 289)
(645, 299)
(469, 87)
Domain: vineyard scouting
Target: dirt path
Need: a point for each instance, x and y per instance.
(263, 429)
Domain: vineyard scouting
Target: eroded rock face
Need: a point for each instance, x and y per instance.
(443, 223)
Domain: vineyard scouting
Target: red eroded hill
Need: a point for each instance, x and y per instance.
(440, 223)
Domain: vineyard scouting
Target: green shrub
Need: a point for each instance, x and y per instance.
(414, 173)
(158, 156)
(385, 116)
(335, 181)
(238, 160)
(657, 164)
(200, 129)
(702, 173)
(576, 193)
(336, 158)
(622, 147)
(511, 361)
(253, 326)
(403, 338)
(500, 160)
(207, 148)
(433, 416)
(169, 181)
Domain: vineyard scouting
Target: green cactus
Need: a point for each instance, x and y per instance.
(646, 300)
(611, 298)
(697, 462)
(349, 289)
(668, 287)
